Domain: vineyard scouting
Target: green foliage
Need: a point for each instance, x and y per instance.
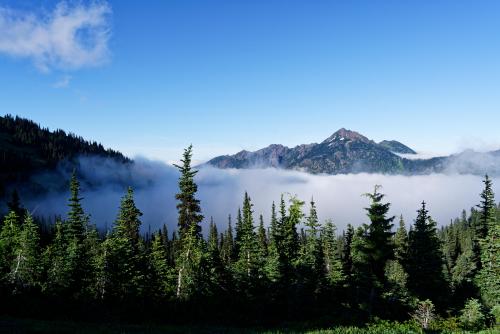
(188, 206)
(297, 270)
(25, 269)
(9, 242)
(472, 316)
(424, 264)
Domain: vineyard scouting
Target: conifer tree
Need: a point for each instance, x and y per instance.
(227, 244)
(488, 278)
(347, 252)
(189, 219)
(125, 251)
(261, 234)
(487, 209)
(401, 242)
(162, 286)
(247, 265)
(425, 264)
(188, 206)
(77, 220)
(333, 265)
(25, 269)
(379, 243)
(60, 259)
(9, 241)
(216, 277)
(274, 263)
(311, 262)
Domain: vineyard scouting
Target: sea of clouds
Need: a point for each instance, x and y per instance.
(338, 197)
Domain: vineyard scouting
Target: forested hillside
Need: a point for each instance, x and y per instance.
(27, 148)
(291, 269)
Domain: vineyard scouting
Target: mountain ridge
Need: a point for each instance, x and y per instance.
(347, 151)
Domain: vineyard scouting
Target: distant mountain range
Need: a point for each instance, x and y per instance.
(348, 151)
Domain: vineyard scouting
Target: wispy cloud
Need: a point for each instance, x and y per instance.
(68, 38)
(63, 82)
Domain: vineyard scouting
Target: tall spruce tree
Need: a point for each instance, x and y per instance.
(25, 270)
(77, 220)
(125, 251)
(379, 242)
(487, 209)
(248, 264)
(9, 242)
(401, 242)
(488, 231)
(425, 262)
(189, 219)
(188, 205)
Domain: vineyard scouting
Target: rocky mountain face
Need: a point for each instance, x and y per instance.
(347, 151)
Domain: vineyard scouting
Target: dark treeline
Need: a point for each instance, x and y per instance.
(26, 147)
(290, 269)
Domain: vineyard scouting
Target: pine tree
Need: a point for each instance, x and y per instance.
(333, 265)
(25, 270)
(188, 206)
(378, 247)
(227, 244)
(125, 252)
(347, 262)
(261, 235)
(77, 220)
(162, 277)
(247, 265)
(488, 278)
(311, 264)
(487, 209)
(189, 219)
(401, 242)
(425, 265)
(214, 269)
(60, 259)
(274, 264)
(379, 242)
(9, 241)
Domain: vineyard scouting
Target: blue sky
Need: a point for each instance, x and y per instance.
(151, 77)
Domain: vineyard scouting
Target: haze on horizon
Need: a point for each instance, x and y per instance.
(149, 80)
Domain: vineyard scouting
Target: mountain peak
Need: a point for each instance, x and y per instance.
(344, 134)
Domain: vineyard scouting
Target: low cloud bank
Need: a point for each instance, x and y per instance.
(221, 192)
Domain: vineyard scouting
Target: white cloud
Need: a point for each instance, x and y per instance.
(69, 37)
(63, 82)
(221, 192)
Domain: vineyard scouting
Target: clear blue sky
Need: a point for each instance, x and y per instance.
(232, 75)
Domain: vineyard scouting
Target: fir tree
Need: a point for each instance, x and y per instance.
(25, 270)
(77, 220)
(161, 284)
(333, 265)
(188, 206)
(189, 219)
(125, 251)
(401, 242)
(9, 241)
(487, 209)
(247, 265)
(425, 265)
(379, 243)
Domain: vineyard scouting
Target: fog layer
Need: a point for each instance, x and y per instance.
(338, 197)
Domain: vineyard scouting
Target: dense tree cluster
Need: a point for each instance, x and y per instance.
(26, 147)
(292, 268)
